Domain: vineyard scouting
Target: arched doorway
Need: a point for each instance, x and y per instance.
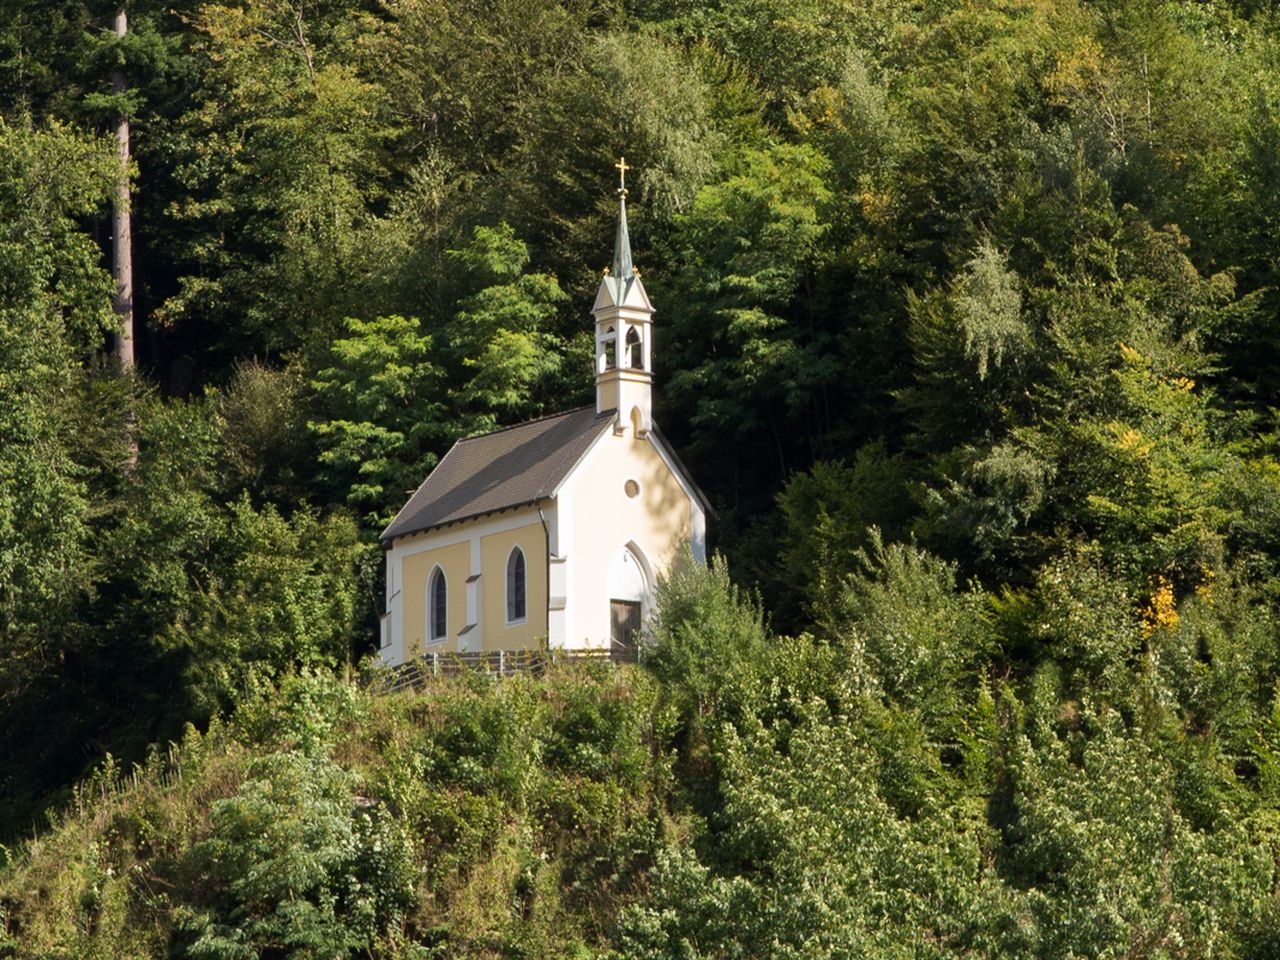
(629, 599)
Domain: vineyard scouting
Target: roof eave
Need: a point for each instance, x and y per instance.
(387, 542)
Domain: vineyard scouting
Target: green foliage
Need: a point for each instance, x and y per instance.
(145, 56)
(989, 503)
(381, 411)
(304, 711)
(709, 637)
(790, 48)
(283, 595)
(989, 309)
(1088, 622)
(271, 258)
(745, 363)
(396, 395)
(264, 437)
(187, 600)
(886, 887)
(1156, 473)
(52, 310)
(1106, 858)
(297, 869)
(656, 103)
(965, 322)
(910, 635)
(325, 822)
(822, 816)
(829, 513)
(500, 339)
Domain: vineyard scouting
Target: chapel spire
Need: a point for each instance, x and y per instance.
(624, 351)
(622, 268)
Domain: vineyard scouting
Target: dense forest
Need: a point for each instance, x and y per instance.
(968, 324)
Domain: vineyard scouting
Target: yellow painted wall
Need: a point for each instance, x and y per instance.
(494, 550)
(602, 520)
(455, 560)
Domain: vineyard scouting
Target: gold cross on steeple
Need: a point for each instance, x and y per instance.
(622, 169)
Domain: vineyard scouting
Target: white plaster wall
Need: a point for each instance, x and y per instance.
(598, 519)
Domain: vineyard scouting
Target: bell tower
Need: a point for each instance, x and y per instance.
(624, 334)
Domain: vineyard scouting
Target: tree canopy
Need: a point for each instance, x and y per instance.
(966, 322)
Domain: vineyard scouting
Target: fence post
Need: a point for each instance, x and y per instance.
(435, 663)
(502, 662)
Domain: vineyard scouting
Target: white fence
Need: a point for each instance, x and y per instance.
(499, 663)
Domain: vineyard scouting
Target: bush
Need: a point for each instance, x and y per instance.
(709, 638)
(294, 868)
(910, 635)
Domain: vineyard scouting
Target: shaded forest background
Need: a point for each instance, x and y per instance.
(967, 323)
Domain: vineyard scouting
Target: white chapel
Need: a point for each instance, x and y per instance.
(553, 531)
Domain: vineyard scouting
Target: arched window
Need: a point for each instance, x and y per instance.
(635, 356)
(437, 607)
(516, 584)
(610, 349)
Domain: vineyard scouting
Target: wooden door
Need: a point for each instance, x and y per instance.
(624, 629)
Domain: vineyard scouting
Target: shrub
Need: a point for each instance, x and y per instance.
(709, 638)
(294, 868)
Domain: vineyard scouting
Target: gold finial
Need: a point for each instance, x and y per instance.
(635, 271)
(622, 169)
(606, 271)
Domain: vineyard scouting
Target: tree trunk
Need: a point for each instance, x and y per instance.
(122, 240)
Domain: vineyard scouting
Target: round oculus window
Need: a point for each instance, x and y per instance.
(632, 489)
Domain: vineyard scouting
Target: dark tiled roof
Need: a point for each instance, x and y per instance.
(507, 468)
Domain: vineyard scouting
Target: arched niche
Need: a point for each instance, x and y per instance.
(630, 583)
(634, 350)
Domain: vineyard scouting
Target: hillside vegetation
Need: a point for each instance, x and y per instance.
(888, 791)
(968, 322)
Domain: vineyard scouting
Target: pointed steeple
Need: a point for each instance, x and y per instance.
(622, 268)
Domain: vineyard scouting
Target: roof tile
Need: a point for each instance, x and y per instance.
(506, 468)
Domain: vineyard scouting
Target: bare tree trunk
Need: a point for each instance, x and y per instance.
(122, 240)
